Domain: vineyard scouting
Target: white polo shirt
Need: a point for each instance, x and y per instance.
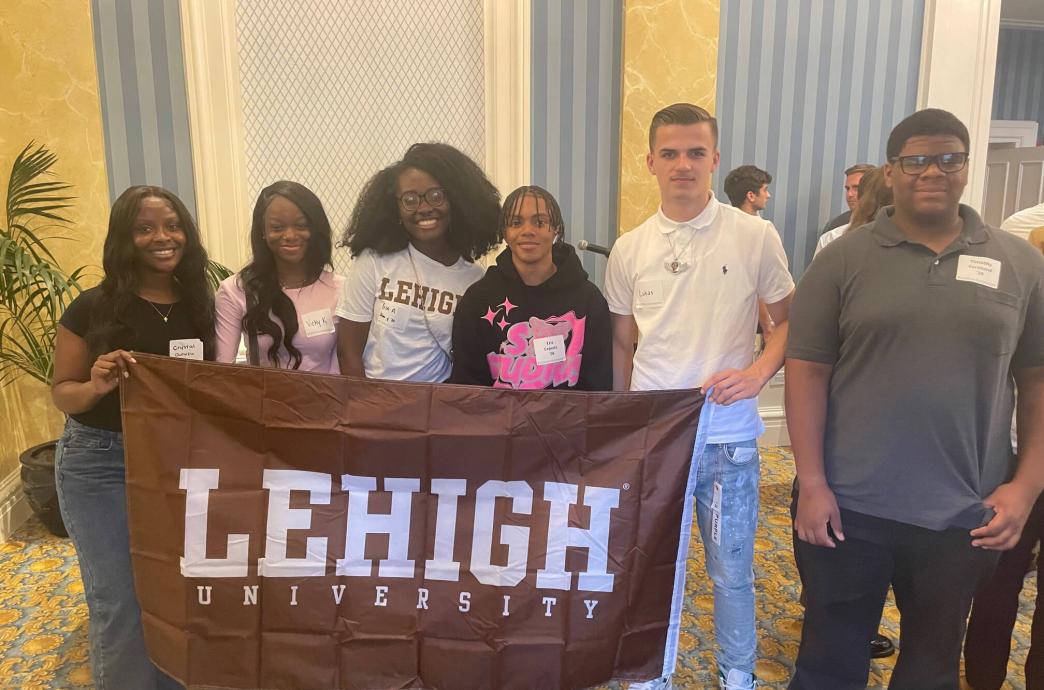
(702, 320)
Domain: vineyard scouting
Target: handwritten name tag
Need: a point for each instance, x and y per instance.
(187, 348)
(649, 293)
(979, 269)
(550, 349)
(394, 316)
(318, 322)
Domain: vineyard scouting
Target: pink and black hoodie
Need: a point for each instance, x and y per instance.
(507, 334)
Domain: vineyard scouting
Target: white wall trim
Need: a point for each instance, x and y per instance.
(507, 82)
(958, 65)
(216, 127)
(1022, 133)
(14, 507)
(773, 414)
(1033, 24)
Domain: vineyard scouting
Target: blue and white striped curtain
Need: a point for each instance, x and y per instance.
(141, 73)
(807, 88)
(575, 100)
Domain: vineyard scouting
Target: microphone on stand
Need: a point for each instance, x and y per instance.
(584, 245)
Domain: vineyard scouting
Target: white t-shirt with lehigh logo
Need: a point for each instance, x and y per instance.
(701, 320)
(394, 295)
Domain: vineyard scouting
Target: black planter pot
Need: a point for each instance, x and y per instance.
(38, 484)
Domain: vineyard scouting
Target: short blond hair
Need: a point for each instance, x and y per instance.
(1036, 238)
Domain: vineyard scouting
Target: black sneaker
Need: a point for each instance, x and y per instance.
(881, 647)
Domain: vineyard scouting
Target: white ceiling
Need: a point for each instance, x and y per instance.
(1023, 10)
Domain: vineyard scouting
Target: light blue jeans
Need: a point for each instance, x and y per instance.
(89, 474)
(730, 557)
(730, 563)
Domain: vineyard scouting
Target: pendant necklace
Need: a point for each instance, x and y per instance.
(677, 265)
(423, 311)
(163, 316)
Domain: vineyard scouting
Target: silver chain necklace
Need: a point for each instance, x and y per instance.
(677, 265)
(424, 312)
(163, 316)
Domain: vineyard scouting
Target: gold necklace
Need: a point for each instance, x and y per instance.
(163, 316)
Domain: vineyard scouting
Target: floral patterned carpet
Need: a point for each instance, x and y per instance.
(43, 619)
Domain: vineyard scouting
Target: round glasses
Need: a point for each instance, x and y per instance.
(946, 162)
(411, 201)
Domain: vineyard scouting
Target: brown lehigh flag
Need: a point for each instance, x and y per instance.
(307, 531)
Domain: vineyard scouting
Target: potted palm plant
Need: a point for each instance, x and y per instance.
(34, 292)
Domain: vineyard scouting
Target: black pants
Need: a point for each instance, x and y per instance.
(996, 607)
(934, 576)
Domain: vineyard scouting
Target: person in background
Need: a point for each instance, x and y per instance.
(154, 298)
(874, 194)
(534, 320)
(853, 175)
(1025, 221)
(907, 338)
(987, 645)
(415, 232)
(283, 301)
(685, 284)
(747, 188)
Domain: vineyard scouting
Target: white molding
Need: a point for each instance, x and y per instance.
(216, 127)
(1032, 24)
(507, 81)
(1022, 133)
(772, 412)
(14, 507)
(958, 62)
(775, 419)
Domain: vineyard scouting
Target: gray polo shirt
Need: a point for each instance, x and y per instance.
(923, 347)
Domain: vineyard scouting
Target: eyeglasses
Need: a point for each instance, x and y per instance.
(411, 201)
(946, 162)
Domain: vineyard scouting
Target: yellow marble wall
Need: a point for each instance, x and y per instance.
(51, 96)
(670, 54)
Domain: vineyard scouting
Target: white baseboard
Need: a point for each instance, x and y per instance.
(770, 407)
(14, 508)
(775, 427)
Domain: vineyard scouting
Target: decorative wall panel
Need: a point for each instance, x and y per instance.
(334, 91)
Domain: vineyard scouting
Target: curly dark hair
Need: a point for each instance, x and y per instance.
(474, 201)
(260, 280)
(111, 325)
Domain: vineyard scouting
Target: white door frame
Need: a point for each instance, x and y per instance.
(958, 65)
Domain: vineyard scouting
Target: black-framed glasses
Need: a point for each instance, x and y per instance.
(946, 162)
(411, 201)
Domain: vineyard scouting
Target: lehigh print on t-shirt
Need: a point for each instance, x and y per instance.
(518, 365)
(419, 296)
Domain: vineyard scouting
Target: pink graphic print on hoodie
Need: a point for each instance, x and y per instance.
(515, 366)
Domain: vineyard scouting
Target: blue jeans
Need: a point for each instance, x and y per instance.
(89, 474)
(730, 556)
(730, 563)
